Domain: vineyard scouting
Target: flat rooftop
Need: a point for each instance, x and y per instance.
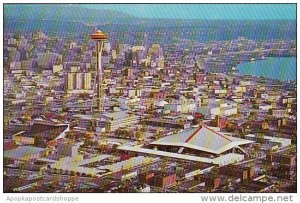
(22, 151)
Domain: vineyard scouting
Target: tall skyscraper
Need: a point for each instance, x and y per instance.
(107, 47)
(79, 81)
(145, 40)
(117, 46)
(70, 81)
(87, 81)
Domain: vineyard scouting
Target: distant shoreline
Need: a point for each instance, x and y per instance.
(259, 74)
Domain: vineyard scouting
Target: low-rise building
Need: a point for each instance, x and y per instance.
(27, 154)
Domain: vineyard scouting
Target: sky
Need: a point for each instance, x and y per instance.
(203, 11)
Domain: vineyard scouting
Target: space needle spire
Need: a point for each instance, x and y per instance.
(100, 38)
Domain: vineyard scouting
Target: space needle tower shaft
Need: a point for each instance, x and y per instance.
(100, 37)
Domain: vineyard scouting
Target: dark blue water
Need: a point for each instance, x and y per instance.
(282, 68)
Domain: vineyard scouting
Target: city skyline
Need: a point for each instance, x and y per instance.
(127, 98)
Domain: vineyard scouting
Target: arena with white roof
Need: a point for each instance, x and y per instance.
(202, 144)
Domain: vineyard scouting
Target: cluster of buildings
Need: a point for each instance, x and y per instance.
(177, 117)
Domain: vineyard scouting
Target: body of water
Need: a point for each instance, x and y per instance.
(282, 68)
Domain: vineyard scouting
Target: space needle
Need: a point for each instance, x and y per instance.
(100, 37)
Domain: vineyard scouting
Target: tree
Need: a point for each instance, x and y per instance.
(88, 142)
(70, 135)
(95, 143)
(119, 132)
(139, 135)
(39, 140)
(253, 114)
(196, 121)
